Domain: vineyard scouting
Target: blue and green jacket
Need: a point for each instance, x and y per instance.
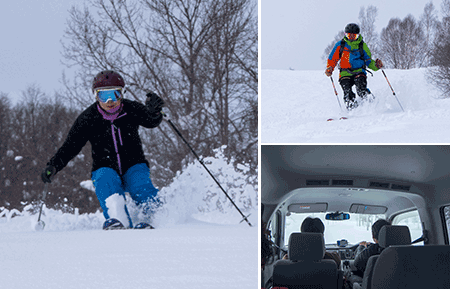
(351, 60)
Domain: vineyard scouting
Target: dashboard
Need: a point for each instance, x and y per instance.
(345, 252)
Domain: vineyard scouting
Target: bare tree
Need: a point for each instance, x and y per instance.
(231, 59)
(445, 8)
(403, 43)
(5, 115)
(38, 126)
(200, 56)
(367, 20)
(338, 37)
(439, 73)
(429, 21)
(5, 137)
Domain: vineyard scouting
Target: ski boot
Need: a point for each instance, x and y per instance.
(350, 104)
(113, 224)
(144, 226)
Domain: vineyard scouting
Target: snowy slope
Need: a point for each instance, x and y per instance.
(191, 255)
(195, 244)
(296, 104)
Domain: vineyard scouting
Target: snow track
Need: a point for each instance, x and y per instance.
(296, 104)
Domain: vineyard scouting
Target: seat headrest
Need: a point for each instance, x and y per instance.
(306, 246)
(394, 236)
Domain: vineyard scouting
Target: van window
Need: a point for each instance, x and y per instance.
(411, 219)
(446, 211)
(274, 228)
(355, 230)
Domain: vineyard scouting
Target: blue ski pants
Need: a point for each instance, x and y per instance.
(136, 181)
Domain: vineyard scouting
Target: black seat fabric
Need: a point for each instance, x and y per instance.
(413, 267)
(394, 236)
(388, 236)
(306, 246)
(368, 274)
(306, 267)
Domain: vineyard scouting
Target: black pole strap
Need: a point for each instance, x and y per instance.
(206, 168)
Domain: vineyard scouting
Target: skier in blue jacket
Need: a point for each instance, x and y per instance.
(354, 57)
(111, 126)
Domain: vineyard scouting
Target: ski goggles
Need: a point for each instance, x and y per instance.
(113, 94)
(352, 36)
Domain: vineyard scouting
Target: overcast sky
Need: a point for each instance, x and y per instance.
(30, 51)
(295, 33)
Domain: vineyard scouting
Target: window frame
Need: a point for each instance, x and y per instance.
(444, 223)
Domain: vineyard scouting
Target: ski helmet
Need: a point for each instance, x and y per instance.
(108, 79)
(352, 28)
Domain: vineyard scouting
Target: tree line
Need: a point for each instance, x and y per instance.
(409, 43)
(30, 133)
(200, 56)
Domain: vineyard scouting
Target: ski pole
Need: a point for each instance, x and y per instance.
(206, 168)
(40, 224)
(392, 90)
(335, 91)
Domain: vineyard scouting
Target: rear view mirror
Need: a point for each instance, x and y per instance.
(337, 216)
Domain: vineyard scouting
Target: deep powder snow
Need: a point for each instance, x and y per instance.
(295, 106)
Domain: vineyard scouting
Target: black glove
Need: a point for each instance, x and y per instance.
(48, 172)
(154, 102)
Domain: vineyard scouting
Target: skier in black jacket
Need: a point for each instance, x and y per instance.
(366, 250)
(111, 125)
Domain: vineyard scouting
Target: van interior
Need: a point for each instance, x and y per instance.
(349, 188)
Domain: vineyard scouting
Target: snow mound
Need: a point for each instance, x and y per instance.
(195, 195)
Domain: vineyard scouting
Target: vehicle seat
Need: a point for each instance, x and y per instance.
(413, 267)
(306, 267)
(388, 236)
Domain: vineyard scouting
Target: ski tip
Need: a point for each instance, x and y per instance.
(341, 118)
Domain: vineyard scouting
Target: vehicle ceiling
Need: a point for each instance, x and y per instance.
(285, 169)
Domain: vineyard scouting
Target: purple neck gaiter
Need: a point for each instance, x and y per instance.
(112, 114)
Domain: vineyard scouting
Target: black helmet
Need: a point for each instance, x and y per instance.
(352, 28)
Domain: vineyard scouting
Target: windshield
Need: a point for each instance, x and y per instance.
(357, 229)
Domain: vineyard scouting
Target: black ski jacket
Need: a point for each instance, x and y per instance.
(364, 253)
(115, 144)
